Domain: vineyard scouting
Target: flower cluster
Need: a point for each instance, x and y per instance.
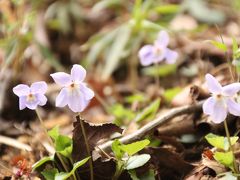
(222, 100)
(151, 54)
(74, 92)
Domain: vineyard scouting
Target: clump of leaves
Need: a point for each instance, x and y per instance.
(223, 153)
(126, 157)
(63, 146)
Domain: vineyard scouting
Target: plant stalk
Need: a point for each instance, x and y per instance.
(157, 80)
(236, 170)
(87, 148)
(51, 141)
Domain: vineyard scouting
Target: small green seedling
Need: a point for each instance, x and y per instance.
(126, 156)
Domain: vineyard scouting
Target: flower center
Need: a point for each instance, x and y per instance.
(73, 87)
(31, 97)
(157, 51)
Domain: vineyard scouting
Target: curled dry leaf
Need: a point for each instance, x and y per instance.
(169, 164)
(102, 169)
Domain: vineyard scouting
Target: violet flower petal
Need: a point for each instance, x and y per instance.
(62, 98)
(171, 56)
(21, 90)
(39, 87)
(88, 93)
(32, 104)
(163, 39)
(42, 99)
(208, 105)
(146, 55)
(212, 84)
(233, 107)
(78, 73)
(231, 89)
(219, 112)
(76, 102)
(22, 102)
(61, 78)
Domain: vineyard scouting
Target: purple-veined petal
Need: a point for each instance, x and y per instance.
(87, 92)
(22, 102)
(233, 107)
(21, 90)
(62, 98)
(76, 101)
(42, 99)
(146, 55)
(39, 87)
(219, 112)
(231, 89)
(171, 56)
(213, 85)
(163, 39)
(61, 78)
(208, 105)
(78, 73)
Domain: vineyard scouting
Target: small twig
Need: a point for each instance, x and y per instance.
(14, 143)
(152, 125)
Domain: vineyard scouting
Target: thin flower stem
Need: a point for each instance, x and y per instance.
(157, 80)
(74, 175)
(50, 140)
(87, 148)
(236, 170)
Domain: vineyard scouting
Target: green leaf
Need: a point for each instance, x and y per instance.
(137, 161)
(133, 175)
(135, 98)
(64, 145)
(225, 158)
(116, 50)
(161, 70)
(199, 9)
(64, 175)
(49, 174)
(226, 176)
(220, 141)
(167, 9)
(99, 45)
(234, 45)
(149, 111)
(105, 4)
(49, 57)
(78, 164)
(54, 133)
(42, 161)
(121, 113)
(116, 149)
(135, 147)
(169, 94)
(219, 45)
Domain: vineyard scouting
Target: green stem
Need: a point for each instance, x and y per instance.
(50, 140)
(74, 175)
(88, 149)
(118, 171)
(236, 170)
(157, 80)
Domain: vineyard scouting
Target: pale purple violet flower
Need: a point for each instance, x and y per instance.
(222, 100)
(32, 96)
(74, 92)
(151, 54)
